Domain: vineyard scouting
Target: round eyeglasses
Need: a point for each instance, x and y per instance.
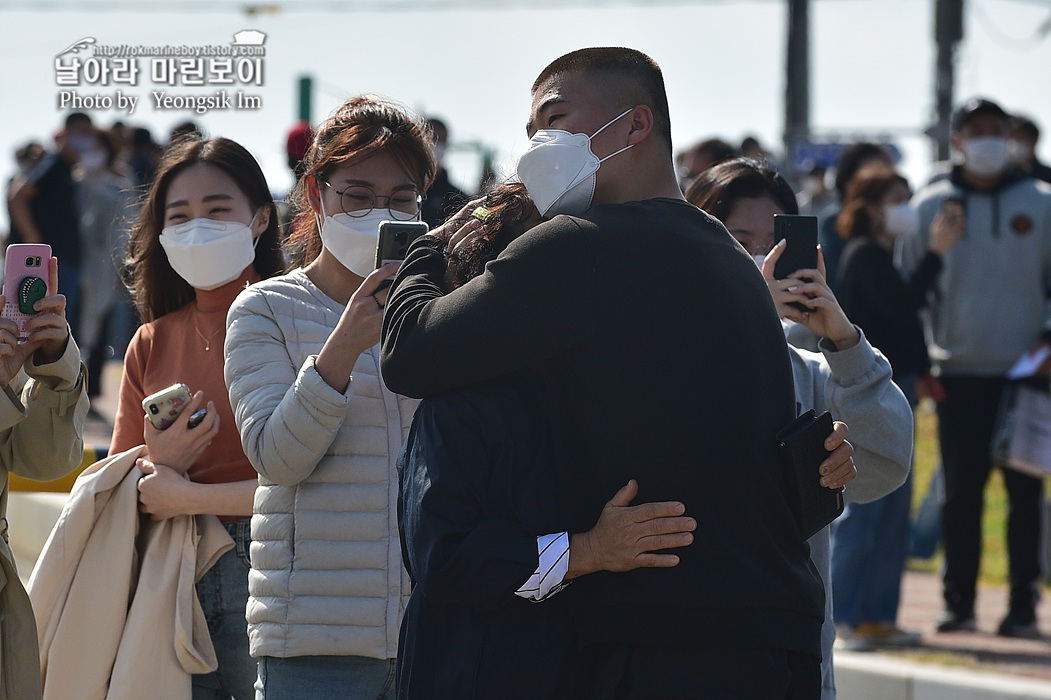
(358, 200)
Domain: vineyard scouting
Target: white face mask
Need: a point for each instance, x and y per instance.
(985, 155)
(352, 240)
(1020, 152)
(209, 253)
(93, 160)
(901, 220)
(558, 170)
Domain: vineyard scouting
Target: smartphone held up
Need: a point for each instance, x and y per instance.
(26, 281)
(394, 240)
(800, 236)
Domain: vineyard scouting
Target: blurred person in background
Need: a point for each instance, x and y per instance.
(1021, 145)
(858, 157)
(106, 206)
(988, 308)
(142, 158)
(815, 195)
(701, 156)
(869, 540)
(26, 157)
(443, 198)
(43, 207)
(298, 140)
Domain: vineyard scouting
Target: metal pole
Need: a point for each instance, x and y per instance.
(948, 32)
(306, 94)
(797, 88)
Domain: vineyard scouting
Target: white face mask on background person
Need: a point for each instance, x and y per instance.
(985, 155)
(352, 240)
(558, 170)
(759, 260)
(93, 160)
(209, 253)
(1020, 152)
(901, 220)
(80, 143)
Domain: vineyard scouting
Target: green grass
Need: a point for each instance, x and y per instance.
(994, 520)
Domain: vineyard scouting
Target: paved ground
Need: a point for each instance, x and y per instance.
(921, 604)
(921, 600)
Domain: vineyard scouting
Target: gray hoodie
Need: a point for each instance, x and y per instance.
(989, 305)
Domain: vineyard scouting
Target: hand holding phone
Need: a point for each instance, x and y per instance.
(394, 240)
(948, 227)
(171, 438)
(26, 281)
(164, 406)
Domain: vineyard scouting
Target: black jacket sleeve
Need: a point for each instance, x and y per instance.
(530, 304)
(456, 552)
(885, 289)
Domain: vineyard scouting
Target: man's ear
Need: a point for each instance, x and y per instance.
(641, 124)
(956, 140)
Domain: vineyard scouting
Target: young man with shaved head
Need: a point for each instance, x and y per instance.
(669, 367)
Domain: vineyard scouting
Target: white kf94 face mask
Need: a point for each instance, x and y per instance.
(986, 156)
(901, 220)
(209, 253)
(352, 240)
(558, 170)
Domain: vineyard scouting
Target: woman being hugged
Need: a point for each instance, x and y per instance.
(207, 228)
(327, 584)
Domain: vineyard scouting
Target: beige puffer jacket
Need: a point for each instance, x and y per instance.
(327, 576)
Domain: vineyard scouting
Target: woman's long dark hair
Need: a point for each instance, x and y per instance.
(155, 287)
(717, 189)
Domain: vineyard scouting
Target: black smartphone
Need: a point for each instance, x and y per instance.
(394, 240)
(196, 418)
(800, 236)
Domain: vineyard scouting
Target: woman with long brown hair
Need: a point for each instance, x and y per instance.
(207, 228)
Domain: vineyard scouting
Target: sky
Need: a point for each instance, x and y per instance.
(471, 63)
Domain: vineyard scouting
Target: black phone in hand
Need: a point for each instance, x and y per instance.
(394, 240)
(800, 253)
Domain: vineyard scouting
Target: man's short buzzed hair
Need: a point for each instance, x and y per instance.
(640, 78)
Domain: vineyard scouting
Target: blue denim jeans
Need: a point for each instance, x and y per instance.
(869, 545)
(330, 677)
(223, 592)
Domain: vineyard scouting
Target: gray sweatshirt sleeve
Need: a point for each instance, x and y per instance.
(856, 386)
(859, 391)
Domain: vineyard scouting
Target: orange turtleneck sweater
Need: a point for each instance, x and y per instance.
(173, 349)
